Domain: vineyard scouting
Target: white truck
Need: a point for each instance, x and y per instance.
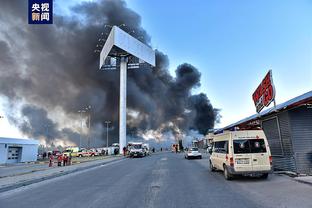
(136, 149)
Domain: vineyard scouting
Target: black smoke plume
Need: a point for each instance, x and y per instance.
(49, 72)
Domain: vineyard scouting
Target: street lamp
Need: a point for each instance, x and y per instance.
(80, 111)
(107, 122)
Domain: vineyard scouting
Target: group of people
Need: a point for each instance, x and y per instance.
(65, 159)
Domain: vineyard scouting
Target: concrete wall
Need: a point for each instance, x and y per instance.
(3, 153)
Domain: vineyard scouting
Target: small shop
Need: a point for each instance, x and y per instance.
(18, 150)
(288, 128)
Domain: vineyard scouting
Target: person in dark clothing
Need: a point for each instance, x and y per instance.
(44, 155)
(51, 160)
(65, 159)
(124, 149)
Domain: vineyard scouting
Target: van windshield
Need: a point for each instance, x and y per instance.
(245, 146)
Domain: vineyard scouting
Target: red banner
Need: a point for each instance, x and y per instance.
(265, 92)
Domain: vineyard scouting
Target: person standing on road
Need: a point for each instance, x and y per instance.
(65, 159)
(59, 160)
(51, 160)
(44, 155)
(124, 149)
(69, 159)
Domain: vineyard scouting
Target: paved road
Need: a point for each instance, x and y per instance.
(162, 181)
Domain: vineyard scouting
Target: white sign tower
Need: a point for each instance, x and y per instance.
(122, 46)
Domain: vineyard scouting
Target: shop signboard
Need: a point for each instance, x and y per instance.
(265, 93)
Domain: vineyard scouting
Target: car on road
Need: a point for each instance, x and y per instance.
(193, 152)
(241, 153)
(85, 153)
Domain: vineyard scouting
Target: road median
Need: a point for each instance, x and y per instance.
(34, 176)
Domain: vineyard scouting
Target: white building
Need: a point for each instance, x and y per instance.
(18, 150)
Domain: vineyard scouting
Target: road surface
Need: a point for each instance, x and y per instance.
(162, 180)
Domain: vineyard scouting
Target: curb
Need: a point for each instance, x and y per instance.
(62, 173)
(302, 181)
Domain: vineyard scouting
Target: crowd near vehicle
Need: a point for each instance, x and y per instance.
(241, 153)
(193, 152)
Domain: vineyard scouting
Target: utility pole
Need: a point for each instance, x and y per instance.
(80, 111)
(107, 122)
(89, 125)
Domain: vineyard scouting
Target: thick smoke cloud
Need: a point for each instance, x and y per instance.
(49, 72)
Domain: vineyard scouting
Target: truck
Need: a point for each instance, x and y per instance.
(135, 149)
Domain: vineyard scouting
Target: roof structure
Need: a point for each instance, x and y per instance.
(253, 121)
(4, 140)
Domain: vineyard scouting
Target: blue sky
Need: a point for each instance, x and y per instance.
(234, 44)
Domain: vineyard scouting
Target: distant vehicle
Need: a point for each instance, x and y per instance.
(85, 153)
(136, 149)
(71, 151)
(56, 152)
(241, 153)
(96, 152)
(115, 145)
(193, 152)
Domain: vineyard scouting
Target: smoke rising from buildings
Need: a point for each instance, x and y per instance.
(49, 72)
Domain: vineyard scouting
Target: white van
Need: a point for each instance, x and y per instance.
(241, 153)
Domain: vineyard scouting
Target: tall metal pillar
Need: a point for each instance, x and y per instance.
(123, 104)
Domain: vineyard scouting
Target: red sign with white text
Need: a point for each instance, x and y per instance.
(265, 92)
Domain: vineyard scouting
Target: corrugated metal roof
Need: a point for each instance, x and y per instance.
(279, 107)
(4, 140)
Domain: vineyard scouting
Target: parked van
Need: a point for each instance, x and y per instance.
(241, 153)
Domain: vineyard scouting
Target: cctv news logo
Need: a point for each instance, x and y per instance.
(40, 11)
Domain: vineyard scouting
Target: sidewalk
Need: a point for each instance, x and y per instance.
(38, 172)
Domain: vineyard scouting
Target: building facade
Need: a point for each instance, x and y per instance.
(18, 150)
(288, 128)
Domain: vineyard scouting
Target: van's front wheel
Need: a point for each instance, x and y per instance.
(227, 175)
